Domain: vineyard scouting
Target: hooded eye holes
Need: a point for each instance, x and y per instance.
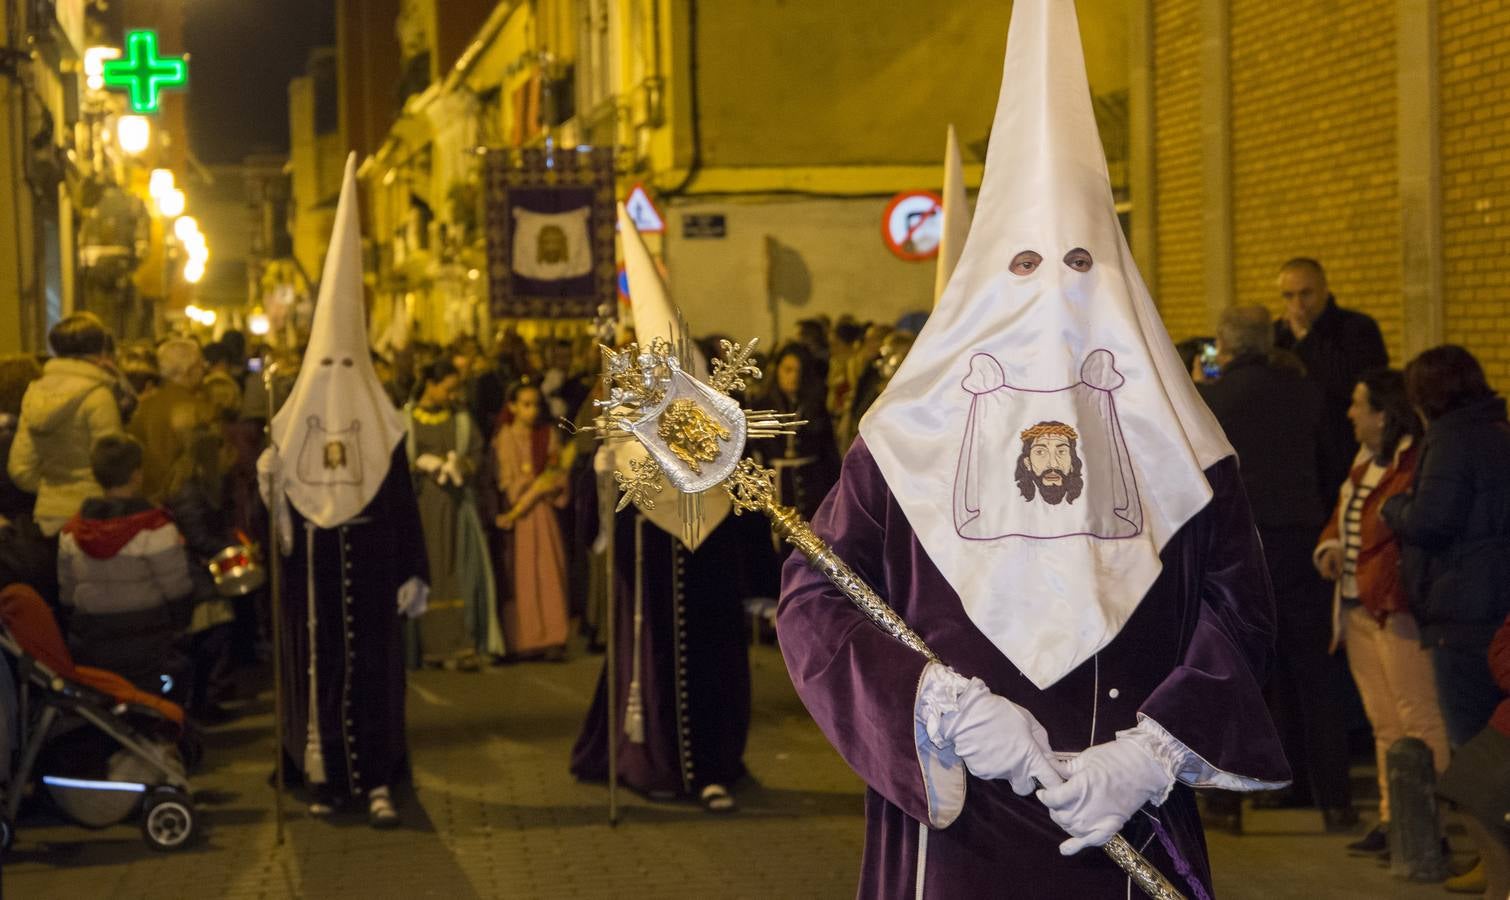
(1028, 261)
(1079, 259)
(327, 361)
(346, 362)
(1025, 263)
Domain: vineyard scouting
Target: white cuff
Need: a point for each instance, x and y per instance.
(1187, 766)
(939, 690)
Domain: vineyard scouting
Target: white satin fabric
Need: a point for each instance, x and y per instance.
(1048, 583)
(336, 433)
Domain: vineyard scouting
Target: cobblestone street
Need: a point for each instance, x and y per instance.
(495, 814)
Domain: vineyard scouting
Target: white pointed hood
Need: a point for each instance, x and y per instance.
(1042, 437)
(655, 316)
(337, 430)
(956, 225)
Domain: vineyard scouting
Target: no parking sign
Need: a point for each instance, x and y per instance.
(912, 225)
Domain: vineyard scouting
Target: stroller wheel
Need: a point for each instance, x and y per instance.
(168, 820)
(7, 834)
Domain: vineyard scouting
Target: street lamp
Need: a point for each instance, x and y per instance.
(160, 182)
(194, 270)
(171, 203)
(94, 65)
(186, 228)
(133, 134)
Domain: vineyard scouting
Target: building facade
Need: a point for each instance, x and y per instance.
(790, 127)
(1382, 154)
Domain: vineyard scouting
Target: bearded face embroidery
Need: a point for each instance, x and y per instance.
(1045, 463)
(330, 456)
(335, 455)
(550, 245)
(1049, 465)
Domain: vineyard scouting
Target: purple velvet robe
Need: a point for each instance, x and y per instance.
(694, 658)
(1193, 657)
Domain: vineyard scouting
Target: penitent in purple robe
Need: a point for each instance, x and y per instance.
(1193, 658)
(694, 668)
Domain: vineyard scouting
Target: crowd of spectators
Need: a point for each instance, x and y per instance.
(1382, 497)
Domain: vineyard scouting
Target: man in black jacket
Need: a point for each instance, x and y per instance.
(1274, 418)
(1337, 345)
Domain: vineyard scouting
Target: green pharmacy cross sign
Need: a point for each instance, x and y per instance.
(143, 73)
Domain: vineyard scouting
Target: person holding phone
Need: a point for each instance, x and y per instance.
(1263, 394)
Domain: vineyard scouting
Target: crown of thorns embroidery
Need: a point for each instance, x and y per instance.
(1045, 429)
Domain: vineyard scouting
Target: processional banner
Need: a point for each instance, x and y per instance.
(550, 232)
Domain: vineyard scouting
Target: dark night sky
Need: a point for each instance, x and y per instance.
(243, 54)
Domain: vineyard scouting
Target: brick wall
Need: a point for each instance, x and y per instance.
(1475, 128)
(1177, 285)
(1313, 150)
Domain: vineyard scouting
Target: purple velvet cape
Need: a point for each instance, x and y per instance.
(1193, 657)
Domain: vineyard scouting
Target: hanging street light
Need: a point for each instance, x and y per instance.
(171, 203)
(133, 134)
(186, 228)
(160, 182)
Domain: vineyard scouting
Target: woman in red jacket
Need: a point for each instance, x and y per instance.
(1358, 551)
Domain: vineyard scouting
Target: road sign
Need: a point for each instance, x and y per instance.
(144, 74)
(913, 225)
(704, 225)
(643, 211)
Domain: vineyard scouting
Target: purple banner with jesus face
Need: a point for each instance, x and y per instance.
(550, 232)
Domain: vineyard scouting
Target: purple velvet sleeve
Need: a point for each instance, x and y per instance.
(1227, 659)
(859, 684)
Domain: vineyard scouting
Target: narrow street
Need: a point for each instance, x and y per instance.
(495, 814)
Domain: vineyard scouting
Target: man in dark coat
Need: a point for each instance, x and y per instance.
(1274, 418)
(1336, 345)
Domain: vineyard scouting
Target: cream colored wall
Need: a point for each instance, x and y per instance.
(801, 84)
(830, 259)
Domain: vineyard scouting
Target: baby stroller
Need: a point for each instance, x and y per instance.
(97, 746)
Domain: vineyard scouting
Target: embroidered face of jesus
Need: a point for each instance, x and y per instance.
(1049, 465)
(550, 245)
(335, 455)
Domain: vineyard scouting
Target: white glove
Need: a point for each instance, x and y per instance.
(269, 470)
(450, 470)
(1103, 787)
(429, 464)
(413, 597)
(994, 737)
